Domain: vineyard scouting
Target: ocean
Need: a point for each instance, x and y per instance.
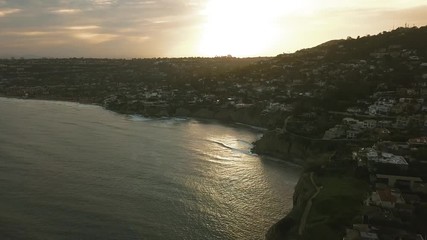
(74, 171)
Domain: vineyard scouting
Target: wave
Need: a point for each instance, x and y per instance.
(141, 118)
(138, 118)
(245, 151)
(280, 161)
(252, 127)
(179, 119)
(245, 142)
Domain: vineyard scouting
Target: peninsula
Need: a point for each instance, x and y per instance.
(353, 112)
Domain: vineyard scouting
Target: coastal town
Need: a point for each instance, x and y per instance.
(359, 102)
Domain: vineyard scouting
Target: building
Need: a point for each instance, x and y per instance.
(402, 122)
(336, 132)
(352, 133)
(421, 141)
(386, 198)
(391, 180)
(370, 123)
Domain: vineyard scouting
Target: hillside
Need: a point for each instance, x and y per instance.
(320, 105)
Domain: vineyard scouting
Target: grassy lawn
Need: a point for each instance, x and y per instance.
(335, 207)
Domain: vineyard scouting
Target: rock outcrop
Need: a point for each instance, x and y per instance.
(293, 148)
(287, 228)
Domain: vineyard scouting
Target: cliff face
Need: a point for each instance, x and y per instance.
(248, 116)
(287, 228)
(293, 148)
(301, 151)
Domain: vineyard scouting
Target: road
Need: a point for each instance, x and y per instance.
(308, 206)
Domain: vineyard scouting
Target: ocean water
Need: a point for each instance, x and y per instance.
(72, 171)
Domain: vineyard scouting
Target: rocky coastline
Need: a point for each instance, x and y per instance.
(251, 116)
(274, 142)
(287, 227)
(304, 152)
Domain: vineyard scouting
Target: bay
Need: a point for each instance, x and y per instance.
(73, 171)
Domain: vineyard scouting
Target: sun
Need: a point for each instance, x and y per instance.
(240, 28)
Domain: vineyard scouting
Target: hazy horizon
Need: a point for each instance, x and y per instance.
(196, 28)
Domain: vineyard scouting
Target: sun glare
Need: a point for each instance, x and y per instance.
(238, 27)
(246, 27)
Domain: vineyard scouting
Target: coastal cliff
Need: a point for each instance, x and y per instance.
(297, 149)
(252, 116)
(323, 221)
(287, 228)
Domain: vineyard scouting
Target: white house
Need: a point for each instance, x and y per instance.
(370, 123)
(371, 154)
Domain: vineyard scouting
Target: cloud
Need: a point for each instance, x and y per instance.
(66, 11)
(26, 33)
(87, 27)
(104, 2)
(95, 38)
(5, 12)
(147, 28)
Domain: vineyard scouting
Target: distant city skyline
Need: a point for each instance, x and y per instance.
(185, 28)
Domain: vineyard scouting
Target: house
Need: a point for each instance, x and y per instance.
(402, 122)
(368, 236)
(421, 141)
(348, 120)
(386, 198)
(376, 158)
(393, 180)
(354, 124)
(384, 124)
(390, 158)
(405, 100)
(371, 154)
(354, 110)
(350, 134)
(382, 106)
(336, 132)
(369, 123)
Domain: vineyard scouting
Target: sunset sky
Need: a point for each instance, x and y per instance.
(181, 28)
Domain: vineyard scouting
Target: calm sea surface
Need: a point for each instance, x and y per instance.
(71, 171)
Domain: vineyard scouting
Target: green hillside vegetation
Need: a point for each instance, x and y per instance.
(335, 207)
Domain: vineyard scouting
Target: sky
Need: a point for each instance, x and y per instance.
(187, 28)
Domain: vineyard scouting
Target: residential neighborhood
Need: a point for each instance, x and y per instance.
(362, 101)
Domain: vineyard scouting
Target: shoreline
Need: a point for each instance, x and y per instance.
(226, 122)
(129, 143)
(260, 130)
